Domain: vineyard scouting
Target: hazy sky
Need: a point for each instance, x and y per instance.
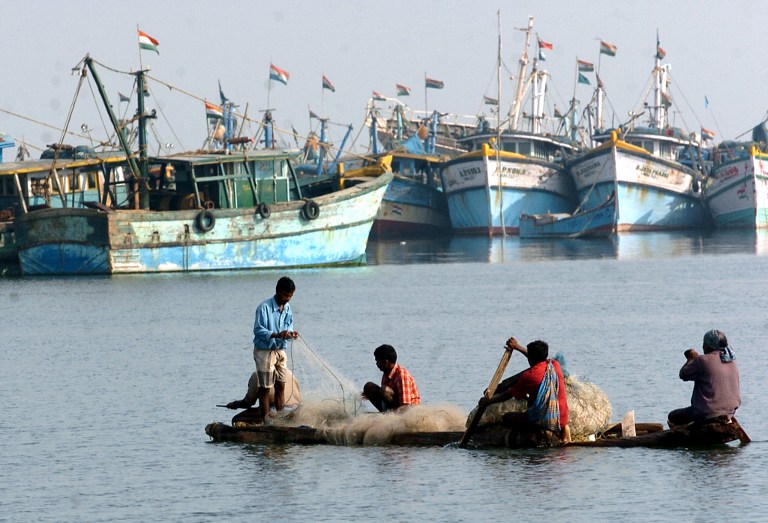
(714, 48)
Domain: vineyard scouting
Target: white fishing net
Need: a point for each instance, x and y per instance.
(588, 406)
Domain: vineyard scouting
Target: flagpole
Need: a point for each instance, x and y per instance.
(269, 83)
(141, 65)
(426, 105)
(322, 94)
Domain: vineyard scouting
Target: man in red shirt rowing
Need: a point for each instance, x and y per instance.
(544, 388)
(398, 389)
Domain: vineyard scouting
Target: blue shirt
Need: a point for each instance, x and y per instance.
(270, 320)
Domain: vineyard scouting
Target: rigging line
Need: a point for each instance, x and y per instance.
(160, 109)
(108, 68)
(38, 122)
(98, 111)
(69, 115)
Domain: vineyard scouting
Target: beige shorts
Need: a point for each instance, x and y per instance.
(270, 366)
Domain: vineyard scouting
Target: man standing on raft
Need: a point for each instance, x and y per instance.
(272, 328)
(398, 389)
(544, 387)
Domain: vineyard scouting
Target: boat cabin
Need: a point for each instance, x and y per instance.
(543, 147)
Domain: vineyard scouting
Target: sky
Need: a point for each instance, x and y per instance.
(713, 49)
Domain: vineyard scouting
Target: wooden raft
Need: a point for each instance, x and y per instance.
(650, 435)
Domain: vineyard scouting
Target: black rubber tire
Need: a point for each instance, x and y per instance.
(205, 221)
(263, 210)
(310, 210)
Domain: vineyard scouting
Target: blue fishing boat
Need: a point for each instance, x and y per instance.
(655, 170)
(510, 171)
(590, 223)
(233, 209)
(414, 204)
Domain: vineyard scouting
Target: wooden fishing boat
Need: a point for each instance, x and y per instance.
(203, 211)
(649, 435)
(596, 222)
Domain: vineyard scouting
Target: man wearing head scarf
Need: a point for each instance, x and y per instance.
(715, 378)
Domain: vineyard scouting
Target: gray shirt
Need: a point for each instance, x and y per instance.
(715, 385)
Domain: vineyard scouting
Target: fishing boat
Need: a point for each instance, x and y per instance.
(414, 204)
(510, 171)
(203, 211)
(737, 190)
(402, 121)
(655, 170)
(596, 222)
(68, 180)
(648, 435)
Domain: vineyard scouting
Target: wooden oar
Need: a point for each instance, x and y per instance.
(487, 394)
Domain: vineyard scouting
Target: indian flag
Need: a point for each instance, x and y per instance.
(213, 111)
(606, 48)
(402, 90)
(147, 43)
(707, 134)
(431, 83)
(584, 66)
(279, 75)
(328, 85)
(546, 45)
(379, 97)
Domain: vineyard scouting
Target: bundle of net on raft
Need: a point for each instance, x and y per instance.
(588, 406)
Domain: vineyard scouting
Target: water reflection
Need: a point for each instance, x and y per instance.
(512, 248)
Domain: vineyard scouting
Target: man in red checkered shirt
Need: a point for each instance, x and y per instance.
(398, 389)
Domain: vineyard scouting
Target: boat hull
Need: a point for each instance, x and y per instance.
(480, 201)
(411, 208)
(737, 197)
(651, 194)
(90, 241)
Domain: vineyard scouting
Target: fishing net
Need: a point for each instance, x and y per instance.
(588, 406)
(326, 395)
(378, 429)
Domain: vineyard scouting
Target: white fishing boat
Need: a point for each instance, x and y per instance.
(737, 191)
(655, 171)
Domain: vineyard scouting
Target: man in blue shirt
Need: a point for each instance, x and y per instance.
(272, 329)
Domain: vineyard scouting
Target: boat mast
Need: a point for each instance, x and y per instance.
(521, 78)
(498, 141)
(659, 109)
(539, 79)
(139, 169)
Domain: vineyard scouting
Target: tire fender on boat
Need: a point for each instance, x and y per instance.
(263, 210)
(310, 210)
(205, 220)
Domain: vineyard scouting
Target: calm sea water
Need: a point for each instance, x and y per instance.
(107, 384)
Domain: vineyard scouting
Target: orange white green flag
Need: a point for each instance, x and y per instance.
(147, 43)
